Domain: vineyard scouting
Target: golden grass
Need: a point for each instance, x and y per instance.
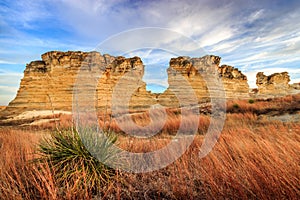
(248, 162)
(253, 159)
(287, 104)
(21, 177)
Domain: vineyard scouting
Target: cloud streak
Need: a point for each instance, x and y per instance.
(253, 35)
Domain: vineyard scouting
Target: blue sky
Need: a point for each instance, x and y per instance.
(251, 35)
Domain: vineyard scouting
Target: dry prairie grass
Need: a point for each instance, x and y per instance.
(249, 108)
(23, 178)
(250, 161)
(288, 104)
(253, 159)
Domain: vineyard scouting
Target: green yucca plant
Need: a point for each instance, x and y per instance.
(73, 158)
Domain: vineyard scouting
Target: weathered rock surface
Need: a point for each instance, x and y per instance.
(48, 84)
(235, 83)
(295, 86)
(200, 74)
(275, 84)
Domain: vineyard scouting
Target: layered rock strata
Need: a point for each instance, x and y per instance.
(275, 84)
(202, 75)
(48, 84)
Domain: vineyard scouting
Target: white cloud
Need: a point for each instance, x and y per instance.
(296, 80)
(9, 84)
(251, 35)
(255, 15)
(6, 62)
(6, 98)
(8, 89)
(7, 93)
(9, 79)
(157, 82)
(215, 36)
(152, 56)
(22, 13)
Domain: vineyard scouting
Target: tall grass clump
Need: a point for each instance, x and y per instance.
(76, 166)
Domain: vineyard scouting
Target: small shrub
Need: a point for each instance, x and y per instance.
(251, 101)
(236, 106)
(73, 165)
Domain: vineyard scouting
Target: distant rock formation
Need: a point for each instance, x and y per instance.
(275, 84)
(295, 86)
(48, 84)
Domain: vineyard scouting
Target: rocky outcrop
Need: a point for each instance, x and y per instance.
(234, 81)
(198, 74)
(276, 84)
(48, 84)
(121, 77)
(295, 86)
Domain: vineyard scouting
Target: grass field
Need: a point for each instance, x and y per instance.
(254, 158)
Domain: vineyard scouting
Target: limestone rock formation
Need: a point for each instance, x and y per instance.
(275, 84)
(235, 83)
(295, 86)
(48, 84)
(122, 79)
(197, 74)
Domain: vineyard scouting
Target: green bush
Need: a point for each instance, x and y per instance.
(236, 106)
(73, 164)
(251, 101)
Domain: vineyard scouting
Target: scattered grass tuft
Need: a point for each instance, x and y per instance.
(251, 101)
(236, 106)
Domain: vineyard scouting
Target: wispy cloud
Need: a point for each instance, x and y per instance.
(9, 84)
(253, 35)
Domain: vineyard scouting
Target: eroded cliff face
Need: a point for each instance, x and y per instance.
(235, 82)
(121, 79)
(48, 84)
(276, 84)
(200, 74)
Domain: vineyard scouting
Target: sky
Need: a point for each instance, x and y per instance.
(251, 35)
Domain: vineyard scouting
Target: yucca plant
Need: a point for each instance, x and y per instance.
(75, 159)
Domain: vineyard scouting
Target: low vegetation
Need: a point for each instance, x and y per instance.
(254, 158)
(73, 164)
